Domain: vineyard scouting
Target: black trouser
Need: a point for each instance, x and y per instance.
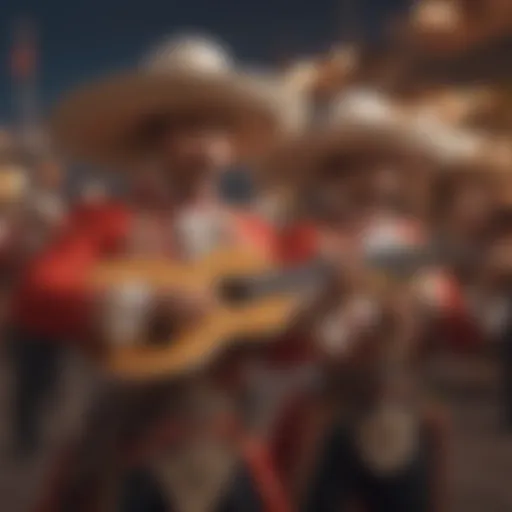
(341, 477)
(36, 364)
(506, 361)
(141, 493)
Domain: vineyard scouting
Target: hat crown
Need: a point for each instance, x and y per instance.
(189, 53)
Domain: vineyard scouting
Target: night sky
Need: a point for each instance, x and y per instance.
(80, 39)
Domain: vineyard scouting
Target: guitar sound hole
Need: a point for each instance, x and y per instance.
(234, 291)
(161, 329)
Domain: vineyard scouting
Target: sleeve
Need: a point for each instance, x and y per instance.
(297, 244)
(52, 298)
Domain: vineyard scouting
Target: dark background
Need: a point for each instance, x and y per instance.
(79, 39)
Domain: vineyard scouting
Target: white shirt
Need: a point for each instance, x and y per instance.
(196, 232)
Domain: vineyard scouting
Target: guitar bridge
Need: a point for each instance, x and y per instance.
(235, 290)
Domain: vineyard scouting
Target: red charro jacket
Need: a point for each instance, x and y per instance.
(52, 300)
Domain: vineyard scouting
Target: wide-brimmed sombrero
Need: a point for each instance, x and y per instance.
(186, 76)
(359, 123)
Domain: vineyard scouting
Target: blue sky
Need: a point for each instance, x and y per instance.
(80, 39)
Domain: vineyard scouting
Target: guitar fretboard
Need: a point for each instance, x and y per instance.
(396, 262)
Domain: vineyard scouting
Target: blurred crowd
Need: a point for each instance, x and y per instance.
(377, 237)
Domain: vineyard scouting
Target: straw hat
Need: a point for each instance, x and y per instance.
(359, 123)
(460, 150)
(182, 76)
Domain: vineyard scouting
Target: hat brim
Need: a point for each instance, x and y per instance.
(481, 165)
(304, 156)
(94, 123)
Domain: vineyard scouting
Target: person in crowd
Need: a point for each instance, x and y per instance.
(350, 177)
(14, 186)
(172, 446)
(37, 358)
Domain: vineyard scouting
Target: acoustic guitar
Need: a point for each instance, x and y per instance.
(256, 300)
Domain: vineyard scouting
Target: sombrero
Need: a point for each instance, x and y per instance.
(186, 75)
(359, 123)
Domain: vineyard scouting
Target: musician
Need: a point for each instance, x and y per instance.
(361, 329)
(37, 360)
(14, 194)
(177, 122)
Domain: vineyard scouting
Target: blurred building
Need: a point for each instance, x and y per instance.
(447, 26)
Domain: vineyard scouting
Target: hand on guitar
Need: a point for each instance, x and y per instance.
(135, 311)
(348, 324)
(173, 308)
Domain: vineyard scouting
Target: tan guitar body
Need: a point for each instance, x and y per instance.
(196, 345)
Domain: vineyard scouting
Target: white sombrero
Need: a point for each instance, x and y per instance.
(359, 122)
(190, 74)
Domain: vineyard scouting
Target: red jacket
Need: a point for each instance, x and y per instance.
(52, 299)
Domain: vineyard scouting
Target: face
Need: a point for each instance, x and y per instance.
(400, 184)
(189, 150)
(471, 207)
(339, 188)
(362, 183)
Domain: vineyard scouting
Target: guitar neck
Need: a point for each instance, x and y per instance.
(397, 262)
